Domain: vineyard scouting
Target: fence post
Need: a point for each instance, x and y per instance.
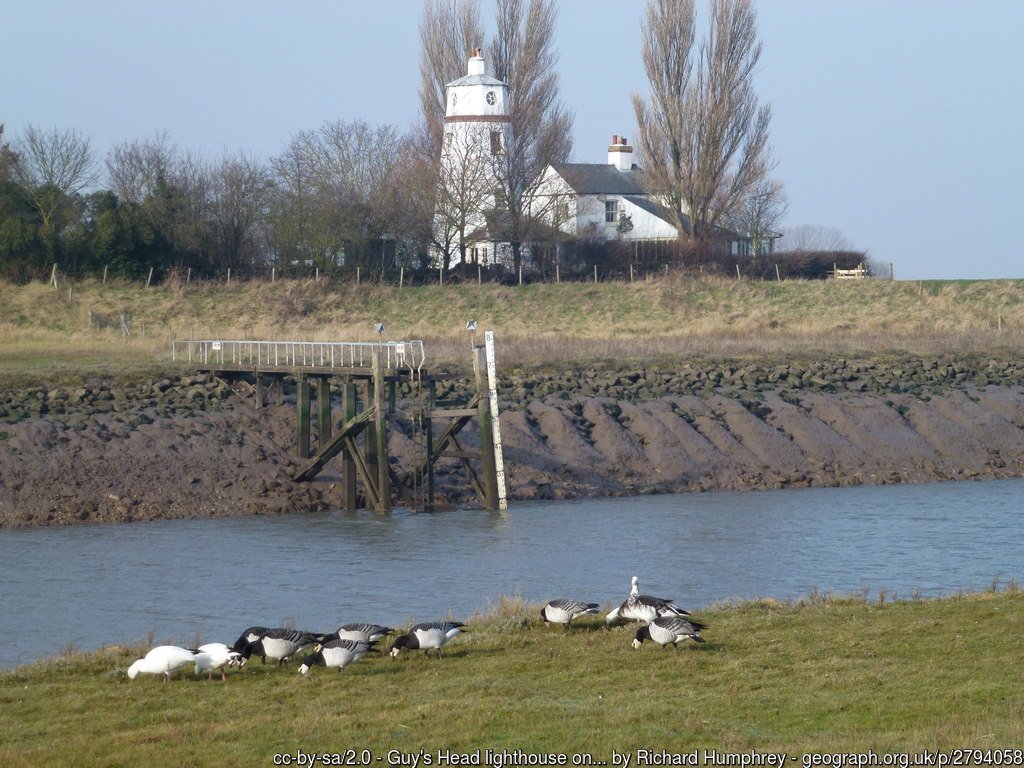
(229, 283)
(149, 279)
(520, 274)
(440, 275)
(631, 272)
(357, 274)
(53, 276)
(273, 274)
(890, 272)
(558, 277)
(777, 276)
(479, 275)
(401, 276)
(105, 273)
(738, 275)
(595, 273)
(188, 276)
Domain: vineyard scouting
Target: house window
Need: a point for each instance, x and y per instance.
(497, 147)
(561, 212)
(478, 255)
(611, 211)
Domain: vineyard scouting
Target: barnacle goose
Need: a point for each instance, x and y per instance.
(336, 653)
(360, 631)
(280, 644)
(162, 660)
(251, 635)
(669, 630)
(431, 634)
(639, 607)
(563, 611)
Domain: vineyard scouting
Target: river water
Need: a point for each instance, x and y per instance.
(90, 586)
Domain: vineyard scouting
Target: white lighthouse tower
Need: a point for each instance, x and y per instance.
(476, 133)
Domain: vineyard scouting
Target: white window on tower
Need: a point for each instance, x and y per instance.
(611, 211)
(497, 147)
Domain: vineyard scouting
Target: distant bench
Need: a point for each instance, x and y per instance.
(857, 273)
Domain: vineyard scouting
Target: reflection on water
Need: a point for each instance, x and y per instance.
(97, 585)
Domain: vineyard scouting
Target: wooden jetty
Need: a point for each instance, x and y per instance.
(363, 378)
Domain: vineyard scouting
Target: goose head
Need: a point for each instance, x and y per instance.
(644, 633)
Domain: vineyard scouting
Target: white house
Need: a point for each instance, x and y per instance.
(610, 201)
(605, 200)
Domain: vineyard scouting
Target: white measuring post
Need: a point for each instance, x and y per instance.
(492, 392)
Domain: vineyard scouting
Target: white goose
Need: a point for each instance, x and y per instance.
(563, 611)
(424, 637)
(162, 660)
(337, 654)
(669, 630)
(645, 608)
(213, 656)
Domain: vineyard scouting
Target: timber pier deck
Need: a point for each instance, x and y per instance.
(366, 376)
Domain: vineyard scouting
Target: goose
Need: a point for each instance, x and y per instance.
(431, 634)
(669, 630)
(563, 611)
(215, 656)
(645, 608)
(251, 635)
(363, 632)
(162, 660)
(336, 653)
(280, 644)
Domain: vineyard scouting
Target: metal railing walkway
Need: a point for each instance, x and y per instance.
(300, 354)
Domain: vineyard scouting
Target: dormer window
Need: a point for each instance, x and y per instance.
(611, 211)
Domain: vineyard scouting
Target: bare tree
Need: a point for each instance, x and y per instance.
(338, 193)
(135, 168)
(464, 192)
(449, 30)
(703, 137)
(239, 188)
(813, 237)
(524, 56)
(760, 215)
(53, 167)
(7, 158)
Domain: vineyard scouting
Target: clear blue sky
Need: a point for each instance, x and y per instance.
(899, 123)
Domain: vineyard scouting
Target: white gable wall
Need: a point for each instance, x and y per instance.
(586, 213)
(646, 226)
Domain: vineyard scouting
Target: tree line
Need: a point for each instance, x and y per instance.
(349, 194)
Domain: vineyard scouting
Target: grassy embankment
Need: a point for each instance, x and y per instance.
(48, 330)
(823, 674)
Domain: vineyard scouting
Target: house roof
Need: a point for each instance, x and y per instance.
(601, 179)
(653, 208)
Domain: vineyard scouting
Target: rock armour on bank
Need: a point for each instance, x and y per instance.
(192, 448)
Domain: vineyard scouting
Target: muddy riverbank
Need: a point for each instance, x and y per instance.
(188, 447)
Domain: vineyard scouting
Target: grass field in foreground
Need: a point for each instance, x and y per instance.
(832, 675)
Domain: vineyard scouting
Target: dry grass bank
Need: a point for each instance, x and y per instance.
(666, 318)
